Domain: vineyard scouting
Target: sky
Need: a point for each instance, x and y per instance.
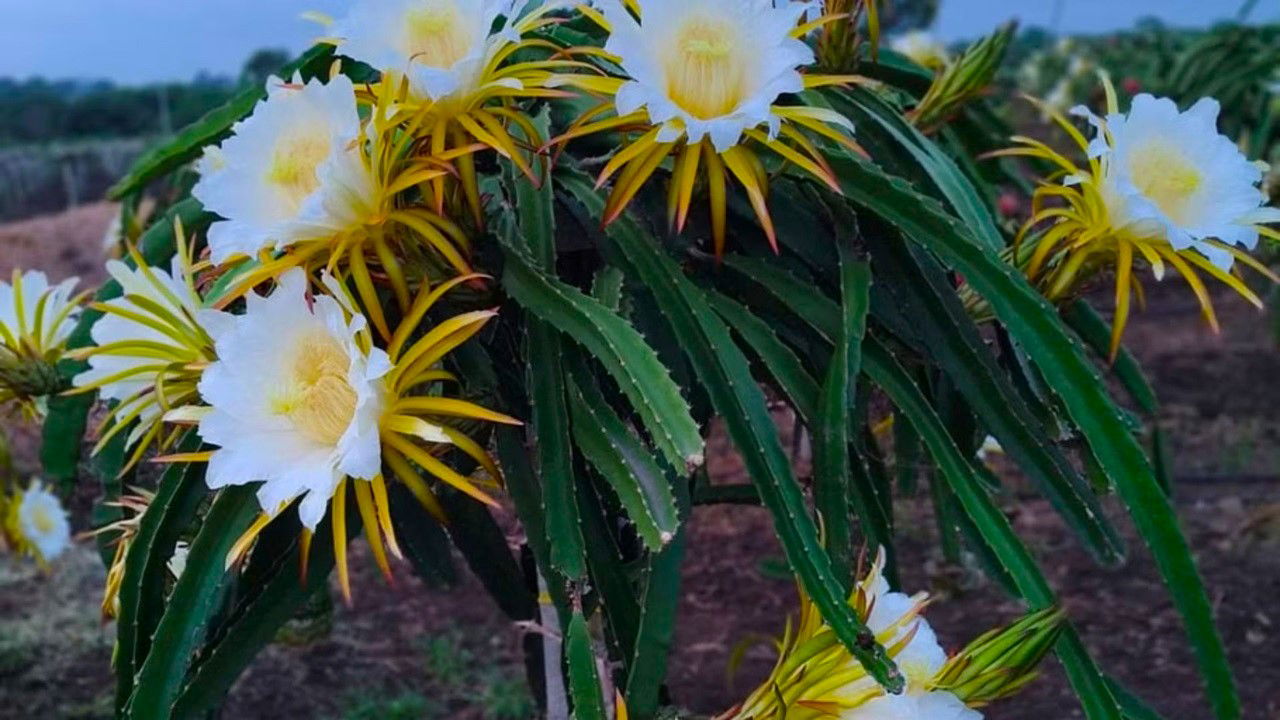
(141, 41)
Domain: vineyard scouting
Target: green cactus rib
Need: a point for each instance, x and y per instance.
(623, 461)
(526, 495)
(726, 375)
(192, 604)
(270, 604)
(873, 114)
(1096, 333)
(1034, 324)
(918, 301)
(483, 545)
(607, 287)
(529, 234)
(992, 526)
(648, 666)
(584, 681)
(783, 364)
(954, 344)
(178, 496)
(425, 543)
(831, 461)
(611, 575)
(623, 352)
(554, 450)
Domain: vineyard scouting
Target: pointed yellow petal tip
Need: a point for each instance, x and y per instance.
(620, 706)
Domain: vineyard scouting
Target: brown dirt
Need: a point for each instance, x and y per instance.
(1220, 407)
(62, 245)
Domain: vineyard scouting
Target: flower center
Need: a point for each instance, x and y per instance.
(42, 520)
(705, 71)
(1163, 174)
(436, 35)
(319, 401)
(293, 166)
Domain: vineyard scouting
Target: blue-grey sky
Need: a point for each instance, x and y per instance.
(969, 18)
(138, 41)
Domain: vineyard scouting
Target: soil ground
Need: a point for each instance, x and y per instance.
(413, 652)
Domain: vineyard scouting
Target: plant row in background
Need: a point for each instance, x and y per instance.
(462, 255)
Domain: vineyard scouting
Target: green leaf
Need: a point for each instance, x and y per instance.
(522, 486)
(623, 461)
(1133, 706)
(550, 425)
(992, 525)
(648, 666)
(725, 374)
(530, 239)
(610, 578)
(255, 622)
(870, 113)
(64, 426)
(179, 493)
(917, 302)
(832, 483)
(1034, 324)
(607, 287)
(424, 542)
(534, 204)
(623, 352)
(484, 546)
(906, 456)
(584, 681)
(214, 126)
(190, 609)
(783, 364)
(799, 296)
(1089, 325)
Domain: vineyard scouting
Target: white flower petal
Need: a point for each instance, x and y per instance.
(296, 403)
(707, 68)
(42, 522)
(1172, 175)
(35, 285)
(936, 705)
(291, 171)
(164, 289)
(442, 46)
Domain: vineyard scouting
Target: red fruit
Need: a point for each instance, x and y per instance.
(1008, 204)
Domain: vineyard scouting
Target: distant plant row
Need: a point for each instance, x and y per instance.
(37, 110)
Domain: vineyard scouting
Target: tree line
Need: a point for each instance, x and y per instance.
(38, 110)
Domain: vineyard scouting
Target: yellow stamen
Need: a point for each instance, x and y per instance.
(436, 35)
(293, 166)
(320, 401)
(1162, 173)
(706, 72)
